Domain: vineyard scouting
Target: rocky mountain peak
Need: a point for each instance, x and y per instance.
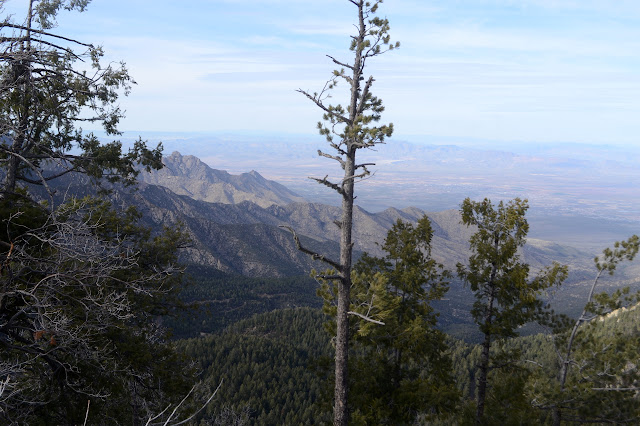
(188, 175)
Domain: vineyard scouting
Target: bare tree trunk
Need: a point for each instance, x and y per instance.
(566, 360)
(341, 391)
(352, 126)
(486, 346)
(484, 364)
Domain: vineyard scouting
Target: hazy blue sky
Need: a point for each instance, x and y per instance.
(531, 70)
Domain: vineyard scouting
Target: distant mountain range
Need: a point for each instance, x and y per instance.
(559, 179)
(245, 237)
(187, 175)
(234, 222)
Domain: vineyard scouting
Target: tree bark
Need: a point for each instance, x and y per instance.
(484, 364)
(341, 391)
(486, 347)
(357, 133)
(341, 410)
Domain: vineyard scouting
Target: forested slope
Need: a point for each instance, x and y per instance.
(217, 300)
(273, 369)
(266, 366)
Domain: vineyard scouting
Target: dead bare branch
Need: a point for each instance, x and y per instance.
(342, 64)
(332, 157)
(365, 318)
(324, 181)
(314, 255)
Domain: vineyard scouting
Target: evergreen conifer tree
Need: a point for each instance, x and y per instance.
(400, 369)
(81, 283)
(506, 297)
(347, 130)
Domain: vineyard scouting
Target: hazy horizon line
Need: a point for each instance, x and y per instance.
(419, 139)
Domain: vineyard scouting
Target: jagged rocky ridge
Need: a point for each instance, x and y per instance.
(246, 238)
(188, 175)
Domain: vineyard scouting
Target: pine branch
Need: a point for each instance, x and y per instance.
(313, 254)
(329, 277)
(365, 318)
(363, 97)
(333, 157)
(331, 113)
(33, 30)
(342, 64)
(329, 184)
(358, 166)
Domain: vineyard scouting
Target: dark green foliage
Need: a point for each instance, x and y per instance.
(217, 299)
(602, 385)
(601, 388)
(399, 368)
(81, 283)
(80, 288)
(622, 250)
(46, 97)
(595, 378)
(265, 363)
(464, 359)
(505, 296)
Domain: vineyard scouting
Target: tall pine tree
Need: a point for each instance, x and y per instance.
(347, 130)
(400, 369)
(506, 297)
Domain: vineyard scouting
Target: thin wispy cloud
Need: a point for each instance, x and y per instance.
(505, 69)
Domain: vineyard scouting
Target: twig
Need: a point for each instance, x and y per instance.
(365, 318)
(313, 254)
